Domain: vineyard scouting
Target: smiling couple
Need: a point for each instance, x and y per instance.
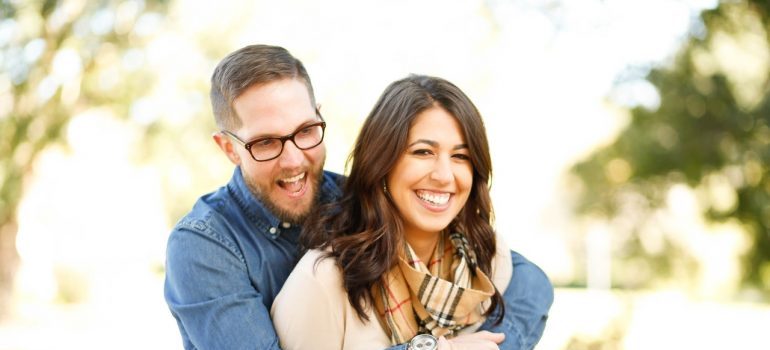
(400, 254)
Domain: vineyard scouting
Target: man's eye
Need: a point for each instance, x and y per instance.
(265, 142)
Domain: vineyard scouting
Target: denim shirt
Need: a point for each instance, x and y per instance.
(227, 259)
(527, 300)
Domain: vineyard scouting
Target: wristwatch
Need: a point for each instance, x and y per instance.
(423, 342)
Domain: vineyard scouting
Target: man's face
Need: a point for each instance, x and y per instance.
(289, 184)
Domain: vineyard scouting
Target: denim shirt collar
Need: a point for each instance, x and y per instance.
(259, 215)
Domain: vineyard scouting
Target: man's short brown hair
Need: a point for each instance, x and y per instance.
(244, 68)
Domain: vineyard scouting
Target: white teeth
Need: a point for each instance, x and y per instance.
(294, 179)
(433, 198)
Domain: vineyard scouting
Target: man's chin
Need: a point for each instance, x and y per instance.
(292, 215)
(289, 212)
(285, 208)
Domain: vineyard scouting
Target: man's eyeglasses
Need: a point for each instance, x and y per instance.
(269, 148)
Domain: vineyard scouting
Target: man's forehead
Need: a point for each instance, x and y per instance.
(275, 108)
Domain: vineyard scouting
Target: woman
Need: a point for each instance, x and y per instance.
(409, 249)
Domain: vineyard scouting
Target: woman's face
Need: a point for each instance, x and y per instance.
(432, 179)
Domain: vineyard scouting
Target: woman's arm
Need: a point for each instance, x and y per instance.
(309, 311)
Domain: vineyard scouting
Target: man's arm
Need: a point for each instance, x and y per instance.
(527, 300)
(210, 295)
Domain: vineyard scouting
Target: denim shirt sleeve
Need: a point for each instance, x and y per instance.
(527, 300)
(210, 295)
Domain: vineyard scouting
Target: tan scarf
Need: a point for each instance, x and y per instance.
(439, 298)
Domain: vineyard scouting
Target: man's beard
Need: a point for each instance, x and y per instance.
(282, 214)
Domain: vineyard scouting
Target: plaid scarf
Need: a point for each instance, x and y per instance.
(448, 294)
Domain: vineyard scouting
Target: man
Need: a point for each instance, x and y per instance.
(228, 258)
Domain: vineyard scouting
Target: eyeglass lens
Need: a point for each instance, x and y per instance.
(271, 147)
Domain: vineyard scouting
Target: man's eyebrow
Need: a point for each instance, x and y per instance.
(304, 124)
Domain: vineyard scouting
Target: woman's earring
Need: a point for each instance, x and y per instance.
(384, 187)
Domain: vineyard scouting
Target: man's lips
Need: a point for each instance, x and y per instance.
(295, 186)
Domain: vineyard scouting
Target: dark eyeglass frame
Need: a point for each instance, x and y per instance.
(282, 139)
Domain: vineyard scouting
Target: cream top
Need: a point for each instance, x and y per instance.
(312, 309)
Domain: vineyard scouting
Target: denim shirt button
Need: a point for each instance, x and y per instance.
(273, 230)
(285, 225)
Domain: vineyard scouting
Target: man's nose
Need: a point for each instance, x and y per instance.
(291, 156)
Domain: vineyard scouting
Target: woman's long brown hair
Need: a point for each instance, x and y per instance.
(364, 229)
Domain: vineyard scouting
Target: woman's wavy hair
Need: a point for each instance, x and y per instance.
(364, 229)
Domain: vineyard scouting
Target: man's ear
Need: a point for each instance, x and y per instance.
(226, 145)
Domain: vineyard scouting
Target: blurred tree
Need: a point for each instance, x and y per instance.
(58, 59)
(710, 132)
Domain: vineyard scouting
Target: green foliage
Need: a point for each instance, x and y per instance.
(713, 122)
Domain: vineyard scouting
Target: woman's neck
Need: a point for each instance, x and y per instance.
(423, 244)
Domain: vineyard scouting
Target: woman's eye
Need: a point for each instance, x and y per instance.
(462, 156)
(422, 152)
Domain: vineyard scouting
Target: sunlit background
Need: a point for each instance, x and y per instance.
(630, 142)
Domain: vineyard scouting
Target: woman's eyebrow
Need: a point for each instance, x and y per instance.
(429, 142)
(435, 144)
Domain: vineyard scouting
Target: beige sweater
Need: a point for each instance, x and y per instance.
(312, 310)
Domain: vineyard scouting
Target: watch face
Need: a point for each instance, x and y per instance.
(423, 342)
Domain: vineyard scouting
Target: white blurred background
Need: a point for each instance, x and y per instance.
(97, 208)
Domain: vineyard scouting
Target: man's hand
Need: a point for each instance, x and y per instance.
(483, 340)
